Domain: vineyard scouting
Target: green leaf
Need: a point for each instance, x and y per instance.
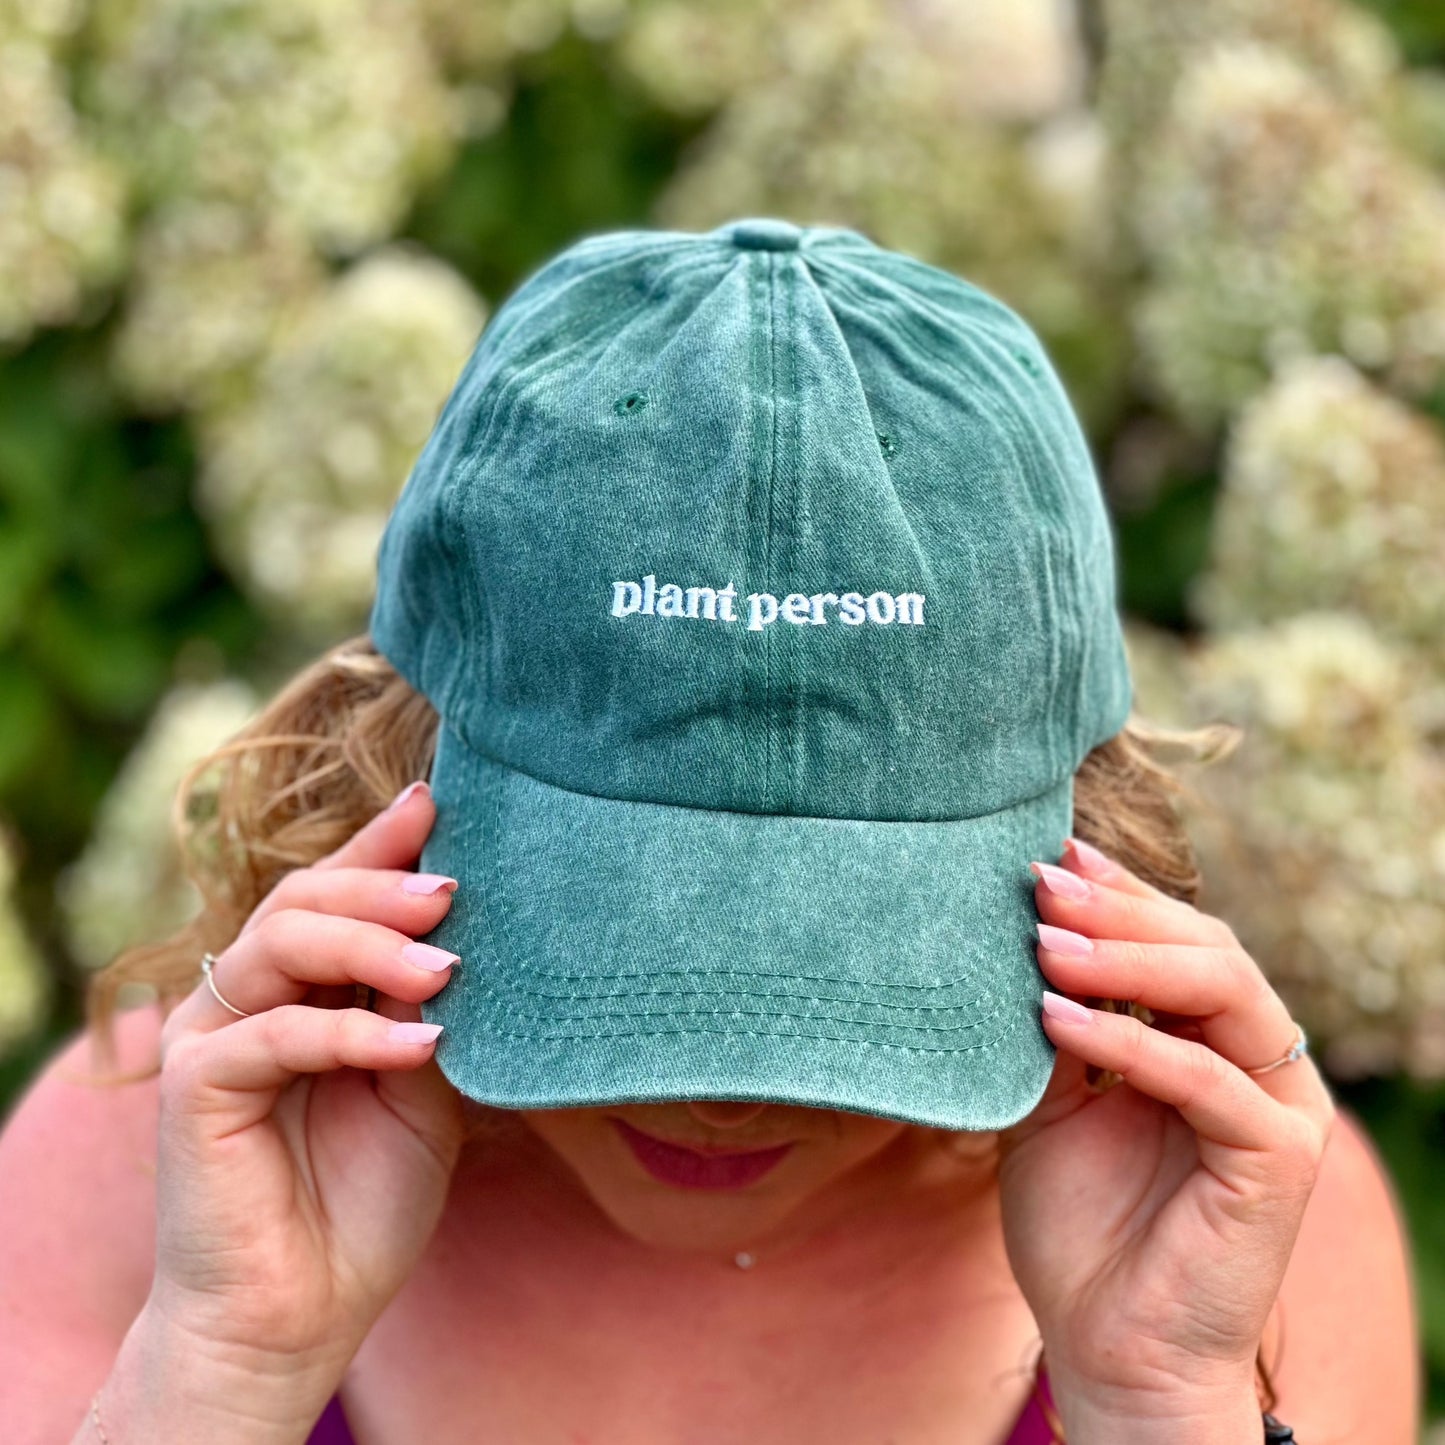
(27, 720)
(109, 667)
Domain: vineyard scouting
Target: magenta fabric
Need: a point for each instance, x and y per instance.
(1031, 1428)
(331, 1428)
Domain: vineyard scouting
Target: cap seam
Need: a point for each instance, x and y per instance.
(1055, 683)
(488, 983)
(755, 813)
(490, 989)
(825, 306)
(473, 598)
(498, 892)
(984, 1045)
(770, 533)
(779, 788)
(785, 464)
(515, 956)
(757, 994)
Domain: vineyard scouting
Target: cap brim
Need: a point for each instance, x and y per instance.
(618, 952)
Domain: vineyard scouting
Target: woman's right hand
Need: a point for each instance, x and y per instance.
(305, 1152)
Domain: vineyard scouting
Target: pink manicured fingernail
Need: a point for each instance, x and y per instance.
(429, 883)
(411, 1033)
(1061, 881)
(424, 955)
(1065, 1009)
(1091, 858)
(406, 792)
(1064, 940)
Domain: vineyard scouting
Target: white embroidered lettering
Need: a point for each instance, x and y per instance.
(762, 609)
(646, 598)
(910, 608)
(819, 601)
(880, 608)
(704, 596)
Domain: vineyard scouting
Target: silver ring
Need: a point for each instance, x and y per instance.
(1297, 1049)
(208, 962)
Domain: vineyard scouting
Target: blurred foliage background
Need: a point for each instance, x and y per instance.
(245, 246)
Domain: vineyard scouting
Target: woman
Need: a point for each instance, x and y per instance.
(716, 1103)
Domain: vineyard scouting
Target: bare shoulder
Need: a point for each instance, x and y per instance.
(77, 1223)
(1343, 1343)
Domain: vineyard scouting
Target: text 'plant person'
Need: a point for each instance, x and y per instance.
(717, 604)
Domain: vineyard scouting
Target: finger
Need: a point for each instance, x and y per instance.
(1089, 862)
(292, 952)
(393, 838)
(232, 1076)
(1100, 910)
(395, 897)
(1220, 1102)
(422, 1097)
(1222, 990)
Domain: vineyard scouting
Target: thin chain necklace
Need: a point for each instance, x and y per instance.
(965, 1144)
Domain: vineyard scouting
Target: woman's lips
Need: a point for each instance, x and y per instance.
(695, 1169)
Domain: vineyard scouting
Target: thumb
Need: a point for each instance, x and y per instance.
(1071, 1085)
(1065, 1091)
(422, 1097)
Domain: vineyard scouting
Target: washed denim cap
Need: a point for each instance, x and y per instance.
(763, 584)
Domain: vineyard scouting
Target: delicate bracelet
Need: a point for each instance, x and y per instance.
(95, 1415)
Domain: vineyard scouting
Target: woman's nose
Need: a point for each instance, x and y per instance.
(718, 1114)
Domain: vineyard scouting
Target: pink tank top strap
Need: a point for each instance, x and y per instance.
(1032, 1426)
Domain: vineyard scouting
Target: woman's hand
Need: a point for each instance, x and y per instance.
(1149, 1226)
(305, 1152)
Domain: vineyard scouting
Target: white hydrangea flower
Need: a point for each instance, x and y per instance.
(128, 886)
(62, 232)
(692, 56)
(24, 984)
(210, 290)
(1277, 224)
(1322, 841)
(324, 114)
(1157, 663)
(1333, 497)
(1007, 59)
(299, 477)
(1350, 52)
(49, 20)
(859, 114)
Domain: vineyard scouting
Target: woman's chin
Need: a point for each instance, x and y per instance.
(696, 1223)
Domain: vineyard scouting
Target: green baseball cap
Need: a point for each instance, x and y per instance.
(763, 585)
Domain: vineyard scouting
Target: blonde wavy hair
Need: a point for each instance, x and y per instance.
(347, 733)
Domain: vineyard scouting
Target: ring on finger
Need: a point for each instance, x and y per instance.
(208, 962)
(1297, 1049)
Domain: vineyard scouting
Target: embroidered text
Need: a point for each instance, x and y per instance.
(762, 609)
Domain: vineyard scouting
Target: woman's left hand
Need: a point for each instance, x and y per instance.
(1149, 1225)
